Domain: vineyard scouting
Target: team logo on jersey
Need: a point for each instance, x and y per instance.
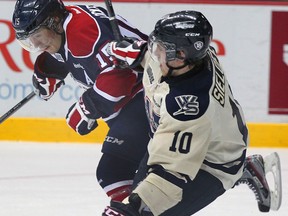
(188, 105)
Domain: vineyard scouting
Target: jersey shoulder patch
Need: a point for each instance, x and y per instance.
(82, 32)
(189, 99)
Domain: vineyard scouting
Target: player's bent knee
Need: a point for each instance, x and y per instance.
(115, 175)
(158, 193)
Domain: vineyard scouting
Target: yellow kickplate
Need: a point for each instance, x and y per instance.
(270, 135)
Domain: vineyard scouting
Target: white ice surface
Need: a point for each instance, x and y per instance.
(55, 179)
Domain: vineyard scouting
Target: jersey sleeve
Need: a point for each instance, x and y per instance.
(50, 67)
(108, 89)
(112, 90)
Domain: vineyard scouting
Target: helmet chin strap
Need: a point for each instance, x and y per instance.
(171, 69)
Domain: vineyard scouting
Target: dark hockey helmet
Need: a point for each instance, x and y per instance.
(30, 15)
(188, 31)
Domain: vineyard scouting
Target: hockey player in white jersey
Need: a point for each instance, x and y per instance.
(199, 136)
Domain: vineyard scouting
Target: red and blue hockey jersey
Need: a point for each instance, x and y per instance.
(87, 32)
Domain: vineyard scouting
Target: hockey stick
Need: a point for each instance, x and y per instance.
(113, 20)
(16, 107)
(115, 28)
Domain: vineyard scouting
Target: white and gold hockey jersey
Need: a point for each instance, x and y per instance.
(196, 123)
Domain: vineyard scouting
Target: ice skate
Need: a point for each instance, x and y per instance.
(254, 175)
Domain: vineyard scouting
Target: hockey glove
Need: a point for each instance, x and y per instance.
(45, 87)
(48, 75)
(78, 118)
(120, 209)
(129, 50)
(133, 208)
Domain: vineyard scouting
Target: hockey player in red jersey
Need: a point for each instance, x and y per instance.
(199, 142)
(73, 39)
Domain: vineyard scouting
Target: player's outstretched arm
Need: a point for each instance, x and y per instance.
(129, 50)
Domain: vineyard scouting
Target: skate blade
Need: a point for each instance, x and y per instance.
(272, 165)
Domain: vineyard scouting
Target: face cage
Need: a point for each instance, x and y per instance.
(170, 48)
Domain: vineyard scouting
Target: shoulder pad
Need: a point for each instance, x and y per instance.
(188, 100)
(82, 32)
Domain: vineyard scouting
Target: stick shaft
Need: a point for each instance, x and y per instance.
(113, 20)
(17, 107)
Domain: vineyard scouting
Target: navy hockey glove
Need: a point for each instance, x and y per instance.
(45, 87)
(49, 75)
(78, 118)
(129, 50)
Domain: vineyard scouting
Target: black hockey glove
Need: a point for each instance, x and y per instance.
(132, 208)
(120, 209)
(129, 50)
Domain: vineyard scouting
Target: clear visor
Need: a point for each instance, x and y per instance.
(157, 48)
(38, 40)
